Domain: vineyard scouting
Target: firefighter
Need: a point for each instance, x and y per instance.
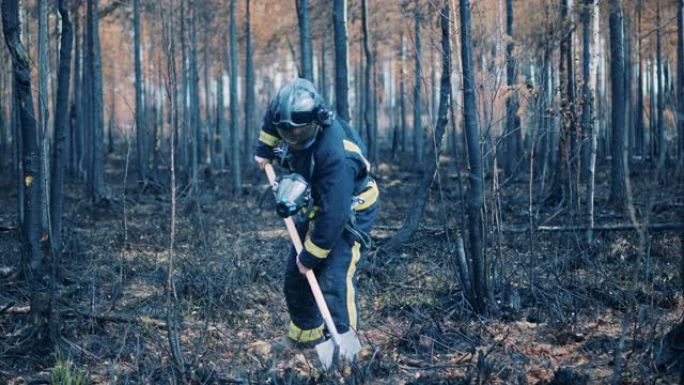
(308, 139)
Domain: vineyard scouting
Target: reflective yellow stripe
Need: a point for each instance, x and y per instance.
(314, 250)
(368, 197)
(351, 292)
(352, 147)
(304, 335)
(268, 139)
(312, 214)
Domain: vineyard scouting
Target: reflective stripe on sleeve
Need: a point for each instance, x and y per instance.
(267, 138)
(368, 197)
(315, 250)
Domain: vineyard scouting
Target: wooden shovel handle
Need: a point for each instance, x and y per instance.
(313, 283)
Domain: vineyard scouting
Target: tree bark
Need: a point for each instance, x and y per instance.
(589, 65)
(193, 84)
(475, 193)
(219, 157)
(234, 136)
(561, 187)
(660, 102)
(206, 126)
(369, 85)
(639, 113)
(249, 86)
(402, 92)
(323, 80)
(3, 124)
(305, 39)
(418, 134)
(97, 192)
(76, 138)
(43, 117)
(61, 129)
(341, 60)
(512, 131)
(184, 118)
(139, 109)
(680, 86)
(617, 62)
(31, 161)
(34, 263)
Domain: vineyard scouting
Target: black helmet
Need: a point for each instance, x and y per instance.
(295, 112)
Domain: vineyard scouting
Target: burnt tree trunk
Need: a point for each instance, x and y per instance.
(561, 187)
(617, 63)
(475, 193)
(249, 86)
(512, 131)
(139, 109)
(341, 60)
(96, 182)
(661, 148)
(61, 129)
(418, 137)
(193, 85)
(234, 136)
(369, 85)
(34, 263)
(639, 108)
(305, 39)
(680, 84)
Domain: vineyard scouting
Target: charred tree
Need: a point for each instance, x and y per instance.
(512, 130)
(561, 188)
(322, 78)
(96, 181)
(617, 63)
(341, 60)
(680, 85)
(305, 50)
(369, 86)
(590, 19)
(76, 137)
(234, 136)
(402, 93)
(61, 129)
(475, 193)
(139, 108)
(219, 156)
(661, 146)
(639, 108)
(34, 264)
(418, 135)
(193, 85)
(249, 86)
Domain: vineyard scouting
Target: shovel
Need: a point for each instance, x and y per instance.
(348, 343)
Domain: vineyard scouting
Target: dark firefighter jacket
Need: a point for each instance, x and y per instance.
(338, 173)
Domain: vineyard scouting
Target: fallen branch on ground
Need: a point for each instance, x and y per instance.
(117, 318)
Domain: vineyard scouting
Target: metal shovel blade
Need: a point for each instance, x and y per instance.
(350, 345)
(326, 353)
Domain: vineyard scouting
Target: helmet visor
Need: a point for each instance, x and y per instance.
(297, 136)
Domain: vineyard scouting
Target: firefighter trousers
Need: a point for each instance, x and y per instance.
(336, 277)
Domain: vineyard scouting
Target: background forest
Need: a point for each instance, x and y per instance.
(530, 157)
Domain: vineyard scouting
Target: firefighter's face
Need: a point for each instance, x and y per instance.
(298, 136)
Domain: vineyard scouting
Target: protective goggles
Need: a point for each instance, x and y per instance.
(297, 119)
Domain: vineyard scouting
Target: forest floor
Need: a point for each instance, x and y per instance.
(562, 309)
